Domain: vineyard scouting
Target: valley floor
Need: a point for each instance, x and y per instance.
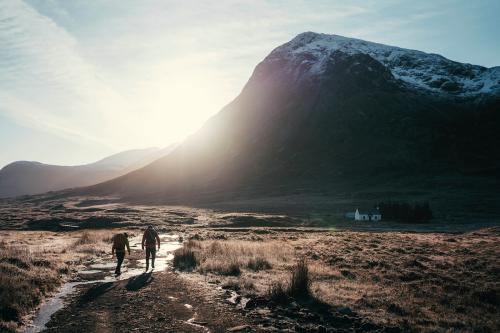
(232, 275)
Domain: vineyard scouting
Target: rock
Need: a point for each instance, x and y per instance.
(345, 311)
(239, 328)
(256, 302)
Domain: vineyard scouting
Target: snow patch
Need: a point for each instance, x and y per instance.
(419, 69)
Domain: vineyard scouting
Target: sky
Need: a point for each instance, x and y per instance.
(81, 80)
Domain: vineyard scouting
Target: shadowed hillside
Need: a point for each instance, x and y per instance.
(324, 113)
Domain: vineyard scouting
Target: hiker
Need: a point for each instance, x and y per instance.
(150, 239)
(120, 241)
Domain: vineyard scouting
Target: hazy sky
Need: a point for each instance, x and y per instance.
(82, 79)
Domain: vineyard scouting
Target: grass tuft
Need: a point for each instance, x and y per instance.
(85, 239)
(300, 282)
(185, 259)
(259, 264)
(299, 285)
(227, 268)
(278, 292)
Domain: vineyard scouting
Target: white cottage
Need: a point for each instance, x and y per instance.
(373, 215)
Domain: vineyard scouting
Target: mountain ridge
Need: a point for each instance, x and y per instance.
(444, 76)
(33, 177)
(354, 122)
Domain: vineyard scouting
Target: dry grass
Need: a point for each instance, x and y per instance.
(34, 264)
(96, 242)
(243, 259)
(185, 259)
(25, 278)
(422, 282)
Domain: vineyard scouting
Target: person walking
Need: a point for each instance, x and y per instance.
(150, 239)
(120, 241)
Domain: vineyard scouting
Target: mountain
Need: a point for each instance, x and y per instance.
(326, 112)
(24, 177)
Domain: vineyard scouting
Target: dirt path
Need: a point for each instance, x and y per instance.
(158, 302)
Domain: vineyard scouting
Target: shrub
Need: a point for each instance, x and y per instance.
(192, 244)
(232, 269)
(299, 285)
(228, 267)
(278, 292)
(259, 264)
(184, 258)
(85, 238)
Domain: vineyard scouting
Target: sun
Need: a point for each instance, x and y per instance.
(171, 107)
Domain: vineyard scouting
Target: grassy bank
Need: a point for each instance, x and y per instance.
(34, 264)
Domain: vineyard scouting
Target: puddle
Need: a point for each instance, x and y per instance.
(106, 266)
(89, 271)
(201, 325)
(239, 301)
(100, 272)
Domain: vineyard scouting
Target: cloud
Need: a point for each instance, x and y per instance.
(45, 81)
(133, 73)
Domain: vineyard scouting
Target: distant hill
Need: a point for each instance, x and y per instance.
(330, 113)
(24, 177)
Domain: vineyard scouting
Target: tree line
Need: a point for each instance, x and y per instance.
(405, 212)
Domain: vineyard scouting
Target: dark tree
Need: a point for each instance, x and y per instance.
(406, 212)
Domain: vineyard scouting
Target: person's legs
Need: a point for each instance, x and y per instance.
(148, 253)
(153, 256)
(119, 257)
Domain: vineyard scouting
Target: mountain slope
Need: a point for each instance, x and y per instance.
(323, 110)
(24, 177)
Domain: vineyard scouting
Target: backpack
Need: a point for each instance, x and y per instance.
(150, 236)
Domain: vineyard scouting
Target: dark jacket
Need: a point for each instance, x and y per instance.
(150, 238)
(120, 241)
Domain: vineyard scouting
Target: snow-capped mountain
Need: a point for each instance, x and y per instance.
(432, 72)
(323, 113)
